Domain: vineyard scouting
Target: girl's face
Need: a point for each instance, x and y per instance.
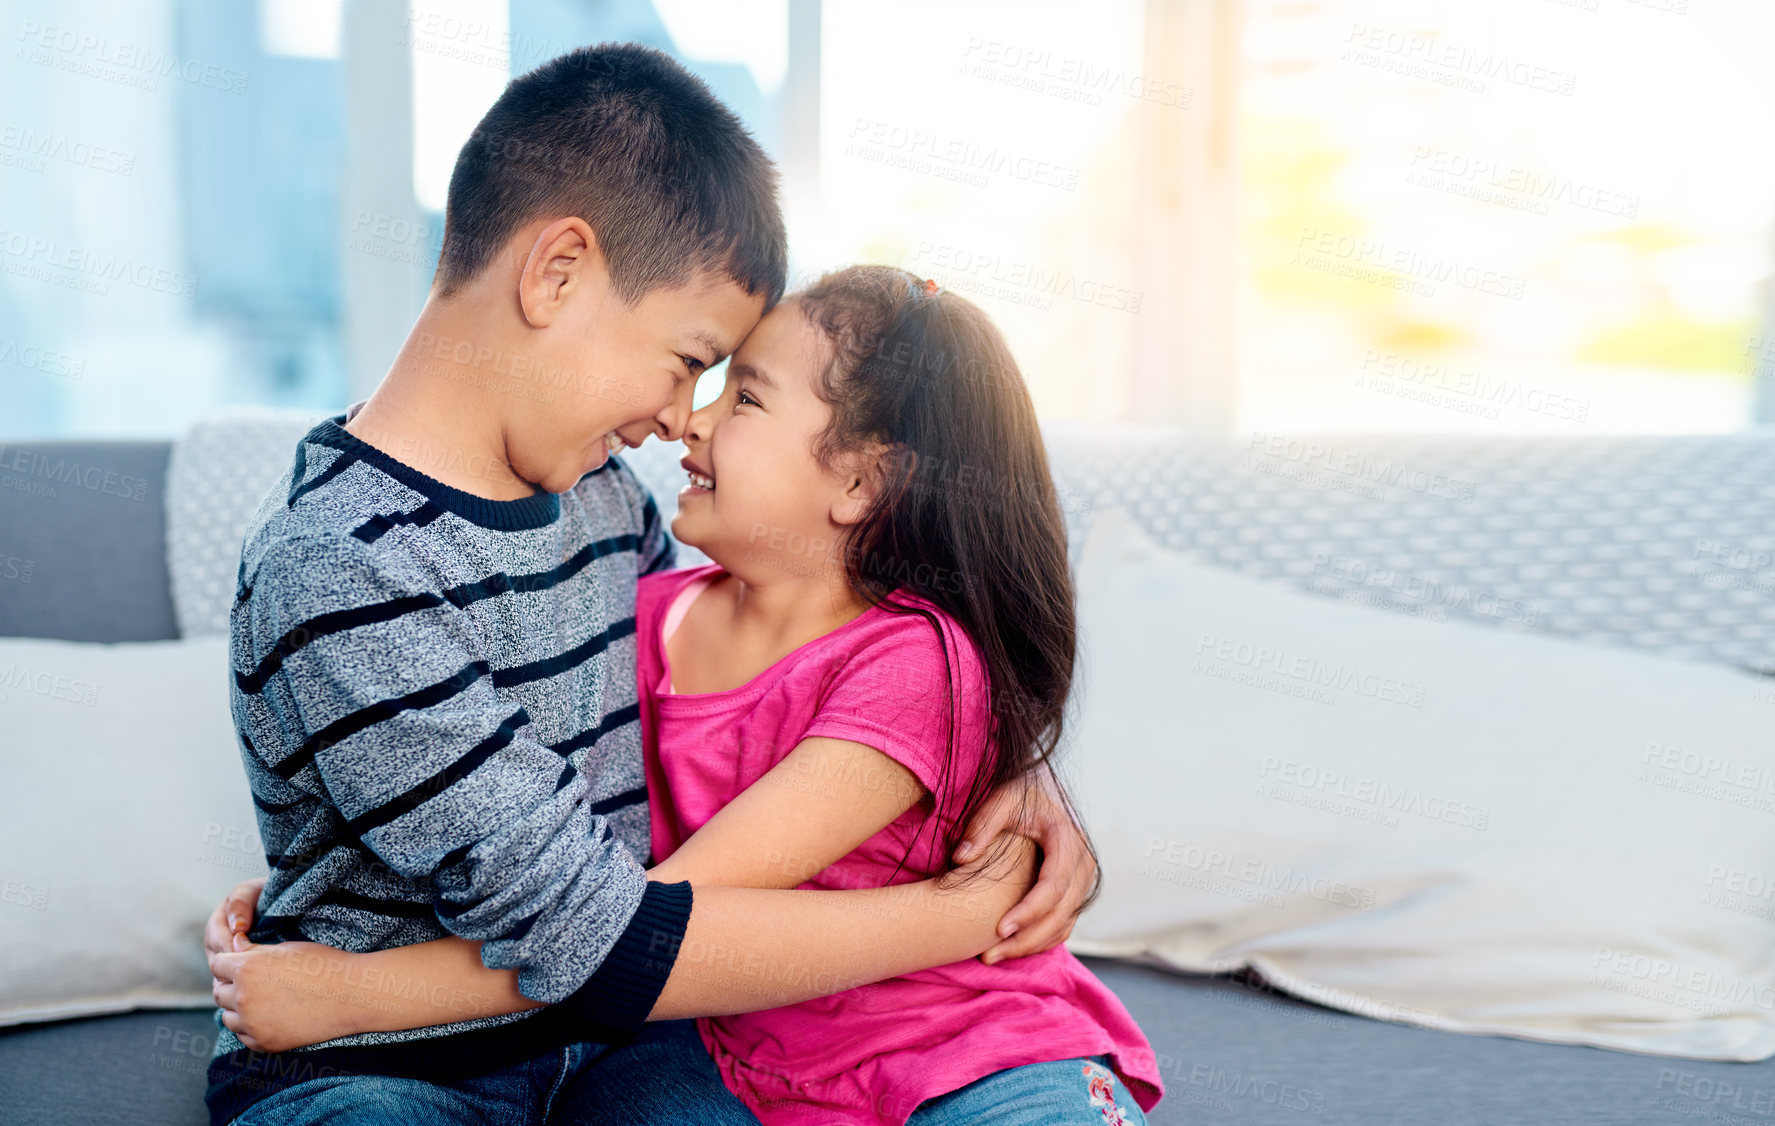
(759, 502)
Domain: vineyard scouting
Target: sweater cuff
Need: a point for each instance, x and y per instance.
(621, 992)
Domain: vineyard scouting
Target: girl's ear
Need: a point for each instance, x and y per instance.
(863, 474)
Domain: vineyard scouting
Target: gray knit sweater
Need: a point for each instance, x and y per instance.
(436, 702)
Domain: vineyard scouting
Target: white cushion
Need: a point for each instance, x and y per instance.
(1450, 825)
(124, 819)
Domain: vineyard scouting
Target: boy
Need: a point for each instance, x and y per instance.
(434, 676)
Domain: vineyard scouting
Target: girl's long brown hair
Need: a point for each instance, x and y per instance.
(966, 516)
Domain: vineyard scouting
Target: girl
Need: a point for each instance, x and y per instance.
(885, 637)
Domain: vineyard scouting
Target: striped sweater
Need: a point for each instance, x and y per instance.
(435, 696)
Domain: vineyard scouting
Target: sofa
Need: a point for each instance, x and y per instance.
(1232, 1048)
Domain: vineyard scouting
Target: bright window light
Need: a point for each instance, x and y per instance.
(302, 29)
(754, 33)
(461, 62)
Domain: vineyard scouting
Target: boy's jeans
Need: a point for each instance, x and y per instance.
(663, 1076)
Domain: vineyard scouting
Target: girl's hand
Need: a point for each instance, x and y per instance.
(233, 916)
(280, 997)
(1043, 919)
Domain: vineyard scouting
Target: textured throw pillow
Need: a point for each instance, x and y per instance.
(1454, 826)
(124, 818)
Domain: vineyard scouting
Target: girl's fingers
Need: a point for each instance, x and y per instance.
(992, 818)
(1027, 927)
(1037, 905)
(1034, 940)
(226, 998)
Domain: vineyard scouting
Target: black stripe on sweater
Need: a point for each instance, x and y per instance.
(340, 464)
(442, 780)
(345, 727)
(461, 596)
(279, 807)
(336, 621)
(546, 667)
(535, 582)
(619, 801)
(621, 717)
(378, 526)
(375, 905)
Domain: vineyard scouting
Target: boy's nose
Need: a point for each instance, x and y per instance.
(670, 423)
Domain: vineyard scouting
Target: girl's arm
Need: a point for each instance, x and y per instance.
(826, 797)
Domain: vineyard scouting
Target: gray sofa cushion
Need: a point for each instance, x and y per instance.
(1234, 1055)
(138, 1069)
(1231, 1054)
(86, 522)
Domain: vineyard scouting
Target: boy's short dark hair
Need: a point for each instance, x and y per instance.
(628, 140)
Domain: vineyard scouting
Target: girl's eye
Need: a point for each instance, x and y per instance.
(745, 397)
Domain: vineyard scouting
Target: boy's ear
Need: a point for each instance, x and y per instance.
(865, 474)
(564, 259)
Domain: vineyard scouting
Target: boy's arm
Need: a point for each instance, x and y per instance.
(745, 949)
(446, 783)
(742, 952)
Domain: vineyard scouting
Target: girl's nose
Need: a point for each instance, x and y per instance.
(701, 423)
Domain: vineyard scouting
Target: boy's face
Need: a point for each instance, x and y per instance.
(612, 373)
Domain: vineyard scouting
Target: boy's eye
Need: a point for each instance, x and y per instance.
(745, 397)
(693, 365)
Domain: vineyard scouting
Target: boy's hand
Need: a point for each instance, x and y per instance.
(233, 917)
(278, 997)
(1044, 918)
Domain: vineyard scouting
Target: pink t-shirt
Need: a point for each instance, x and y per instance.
(868, 1055)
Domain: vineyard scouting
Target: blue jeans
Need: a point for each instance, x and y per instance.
(663, 1076)
(1084, 1092)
